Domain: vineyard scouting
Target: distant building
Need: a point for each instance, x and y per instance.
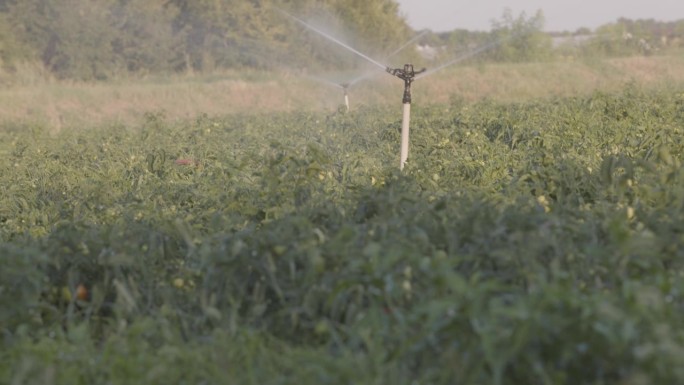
(429, 52)
(570, 41)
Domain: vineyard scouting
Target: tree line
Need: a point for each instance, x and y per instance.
(105, 39)
(100, 39)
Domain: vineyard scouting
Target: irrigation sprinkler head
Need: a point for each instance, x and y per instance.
(348, 84)
(408, 75)
(344, 85)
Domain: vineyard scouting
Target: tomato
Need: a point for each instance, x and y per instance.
(82, 293)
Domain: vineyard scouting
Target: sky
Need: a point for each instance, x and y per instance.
(560, 15)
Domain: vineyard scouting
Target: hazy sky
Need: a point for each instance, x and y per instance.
(560, 15)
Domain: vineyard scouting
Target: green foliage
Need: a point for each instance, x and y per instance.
(21, 283)
(635, 37)
(97, 39)
(102, 39)
(11, 51)
(108, 39)
(522, 38)
(529, 243)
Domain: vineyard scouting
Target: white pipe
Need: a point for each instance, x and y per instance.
(346, 100)
(405, 134)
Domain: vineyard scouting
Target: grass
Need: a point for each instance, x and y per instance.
(63, 104)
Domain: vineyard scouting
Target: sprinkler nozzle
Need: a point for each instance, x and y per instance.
(407, 74)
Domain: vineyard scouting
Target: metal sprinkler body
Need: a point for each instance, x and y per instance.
(408, 75)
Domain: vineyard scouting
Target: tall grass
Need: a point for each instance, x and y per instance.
(32, 95)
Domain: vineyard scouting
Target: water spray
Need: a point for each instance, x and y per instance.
(464, 56)
(346, 85)
(334, 40)
(395, 52)
(407, 74)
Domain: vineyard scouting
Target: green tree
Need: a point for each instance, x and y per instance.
(221, 33)
(628, 37)
(11, 49)
(71, 37)
(99, 39)
(143, 38)
(521, 38)
(377, 22)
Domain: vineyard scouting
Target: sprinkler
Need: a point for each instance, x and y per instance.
(343, 85)
(345, 88)
(346, 85)
(408, 75)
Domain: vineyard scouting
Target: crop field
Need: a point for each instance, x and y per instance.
(530, 242)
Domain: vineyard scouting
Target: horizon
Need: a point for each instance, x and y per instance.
(559, 15)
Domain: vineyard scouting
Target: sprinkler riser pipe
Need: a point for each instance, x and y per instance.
(407, 74)
(346, 100)
(405, 122)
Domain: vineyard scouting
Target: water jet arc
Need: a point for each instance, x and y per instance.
(334, 40)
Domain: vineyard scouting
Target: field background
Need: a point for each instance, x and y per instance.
(183, 204)
(38, 97)
(530, 241)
